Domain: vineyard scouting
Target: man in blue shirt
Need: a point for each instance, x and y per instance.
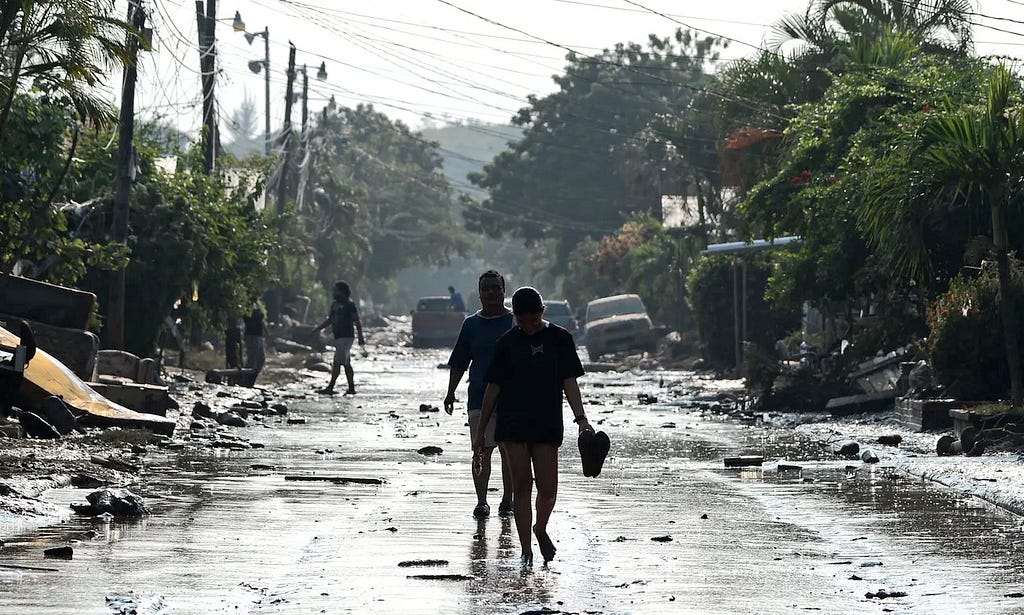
(458, 303)
(474, 350)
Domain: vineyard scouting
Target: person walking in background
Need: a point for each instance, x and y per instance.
(458, 303)
(344, 321)
(474, 350)
(534, 364)
(233, 344)
(255, 334)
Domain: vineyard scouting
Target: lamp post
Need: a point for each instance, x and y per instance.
(321, 75)
(256, 66)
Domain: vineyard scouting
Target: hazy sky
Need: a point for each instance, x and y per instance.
(415, 57)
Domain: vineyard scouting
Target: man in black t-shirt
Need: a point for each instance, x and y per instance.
(534, 364)
(344, 321)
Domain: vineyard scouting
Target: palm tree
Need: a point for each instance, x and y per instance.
(964, 157)
(60, 46)
(828, 26)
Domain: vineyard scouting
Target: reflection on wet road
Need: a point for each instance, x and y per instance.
(665, 529)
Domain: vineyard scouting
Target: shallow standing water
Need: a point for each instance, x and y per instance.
(225, 538)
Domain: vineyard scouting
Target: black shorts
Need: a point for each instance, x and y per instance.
(528, 427)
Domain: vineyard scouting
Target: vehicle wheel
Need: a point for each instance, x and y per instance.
(594, 354)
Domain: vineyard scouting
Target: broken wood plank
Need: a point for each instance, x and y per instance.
(743, 461)
(32, 568)
(334, 479)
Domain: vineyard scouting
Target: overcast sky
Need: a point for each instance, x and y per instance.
(411, 58)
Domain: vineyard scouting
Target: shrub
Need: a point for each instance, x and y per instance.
(710, 288)
(966, 344)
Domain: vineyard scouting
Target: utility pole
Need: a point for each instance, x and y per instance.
(286, 132)
(305, 100)
(207, 23)
(114, 330)
(282, 178)
(266, 82)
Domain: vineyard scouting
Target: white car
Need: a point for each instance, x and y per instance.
(618, 323)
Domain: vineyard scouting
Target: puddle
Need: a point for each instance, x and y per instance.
(225, 538)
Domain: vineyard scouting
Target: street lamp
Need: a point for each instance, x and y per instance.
(321, 75)
(256, 66)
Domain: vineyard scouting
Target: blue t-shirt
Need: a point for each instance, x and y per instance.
(475, 349)
(343, 314)
(458, 303)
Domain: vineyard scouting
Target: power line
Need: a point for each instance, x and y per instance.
(704, 90)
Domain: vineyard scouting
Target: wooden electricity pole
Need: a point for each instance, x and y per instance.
(207, 23)
(114, 330)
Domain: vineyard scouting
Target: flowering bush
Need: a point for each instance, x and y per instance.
(966, 343)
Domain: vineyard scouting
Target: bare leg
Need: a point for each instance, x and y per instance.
(506, 476)
(350, 376)
(545, 467)
(522, 488)
(480, 480)
(335, 370)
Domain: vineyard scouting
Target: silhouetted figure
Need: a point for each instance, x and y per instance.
(458, 303)
(12, 375)
(233, 346)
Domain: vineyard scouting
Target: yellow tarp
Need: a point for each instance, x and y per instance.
(47, 376)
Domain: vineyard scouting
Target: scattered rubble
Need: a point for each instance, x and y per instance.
(116, 502)
(59, 553)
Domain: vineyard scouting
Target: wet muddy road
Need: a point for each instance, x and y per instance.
(665, 529)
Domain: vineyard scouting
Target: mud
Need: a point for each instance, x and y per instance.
(666, 528)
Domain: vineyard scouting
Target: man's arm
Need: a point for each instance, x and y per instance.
(359, 327)
(454, 378)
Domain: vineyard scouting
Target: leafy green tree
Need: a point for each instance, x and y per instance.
(404, 212)
(38, 155)
(829, 26)
(831, 152)
(565, 177)
(197, 245)
(963, 157)
(60, 47)
(711, 286)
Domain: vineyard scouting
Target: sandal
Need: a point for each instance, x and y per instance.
(594, 449)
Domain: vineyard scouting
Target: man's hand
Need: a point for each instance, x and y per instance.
(362, 342)
(449, 402)
(585, 425)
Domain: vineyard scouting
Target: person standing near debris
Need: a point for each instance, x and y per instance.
(12, 374)
(232, 344)
(458, 303)
(344, 321)
(255, 335)
(534, 364)
(474, 350)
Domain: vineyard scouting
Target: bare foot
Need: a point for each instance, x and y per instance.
(547, 548)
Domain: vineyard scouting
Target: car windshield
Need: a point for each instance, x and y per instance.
(556, 308)
(625, 305)
(434, 304)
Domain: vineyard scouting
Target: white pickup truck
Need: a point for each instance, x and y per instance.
(618, 323)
